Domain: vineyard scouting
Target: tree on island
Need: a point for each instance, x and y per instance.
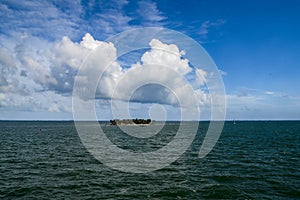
(130, 121)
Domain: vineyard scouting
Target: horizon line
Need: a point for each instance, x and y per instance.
(108, 120)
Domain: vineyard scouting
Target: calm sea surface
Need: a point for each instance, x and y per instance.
(252, 160)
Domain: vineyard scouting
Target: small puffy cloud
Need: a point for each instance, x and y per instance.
(269, 93)
(90, 43)
(222, 73)
(166, 55)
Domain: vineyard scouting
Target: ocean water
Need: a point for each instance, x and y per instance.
(252, 160)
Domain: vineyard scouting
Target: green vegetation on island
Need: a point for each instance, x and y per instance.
(130, 121)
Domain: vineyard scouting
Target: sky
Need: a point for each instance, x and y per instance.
(255, 45)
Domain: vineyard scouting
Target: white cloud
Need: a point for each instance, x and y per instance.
(38, 67)
(38, 75)
(66, 58)
(200, 78)
(7, 69)
(67, 53)
(45, 73)
(277, 94)
(222, 73)
(249, 103)
(150, 14)
(269, 92)
(206, 26)
(162, 64)
(35, 102)
(40, 18)
(53, 19)
(166, 55)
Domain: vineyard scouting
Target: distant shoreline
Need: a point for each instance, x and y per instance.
(107, 121)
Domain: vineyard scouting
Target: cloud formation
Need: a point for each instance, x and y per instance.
(162, 65)
(49, 71)
(41, 55)
(53, 19)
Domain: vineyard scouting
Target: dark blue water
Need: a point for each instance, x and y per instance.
(252, 160)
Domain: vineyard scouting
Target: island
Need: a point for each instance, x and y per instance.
(136, 121)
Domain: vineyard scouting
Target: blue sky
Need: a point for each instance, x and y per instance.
(255, 44)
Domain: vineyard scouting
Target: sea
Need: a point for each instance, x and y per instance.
(251, 160)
